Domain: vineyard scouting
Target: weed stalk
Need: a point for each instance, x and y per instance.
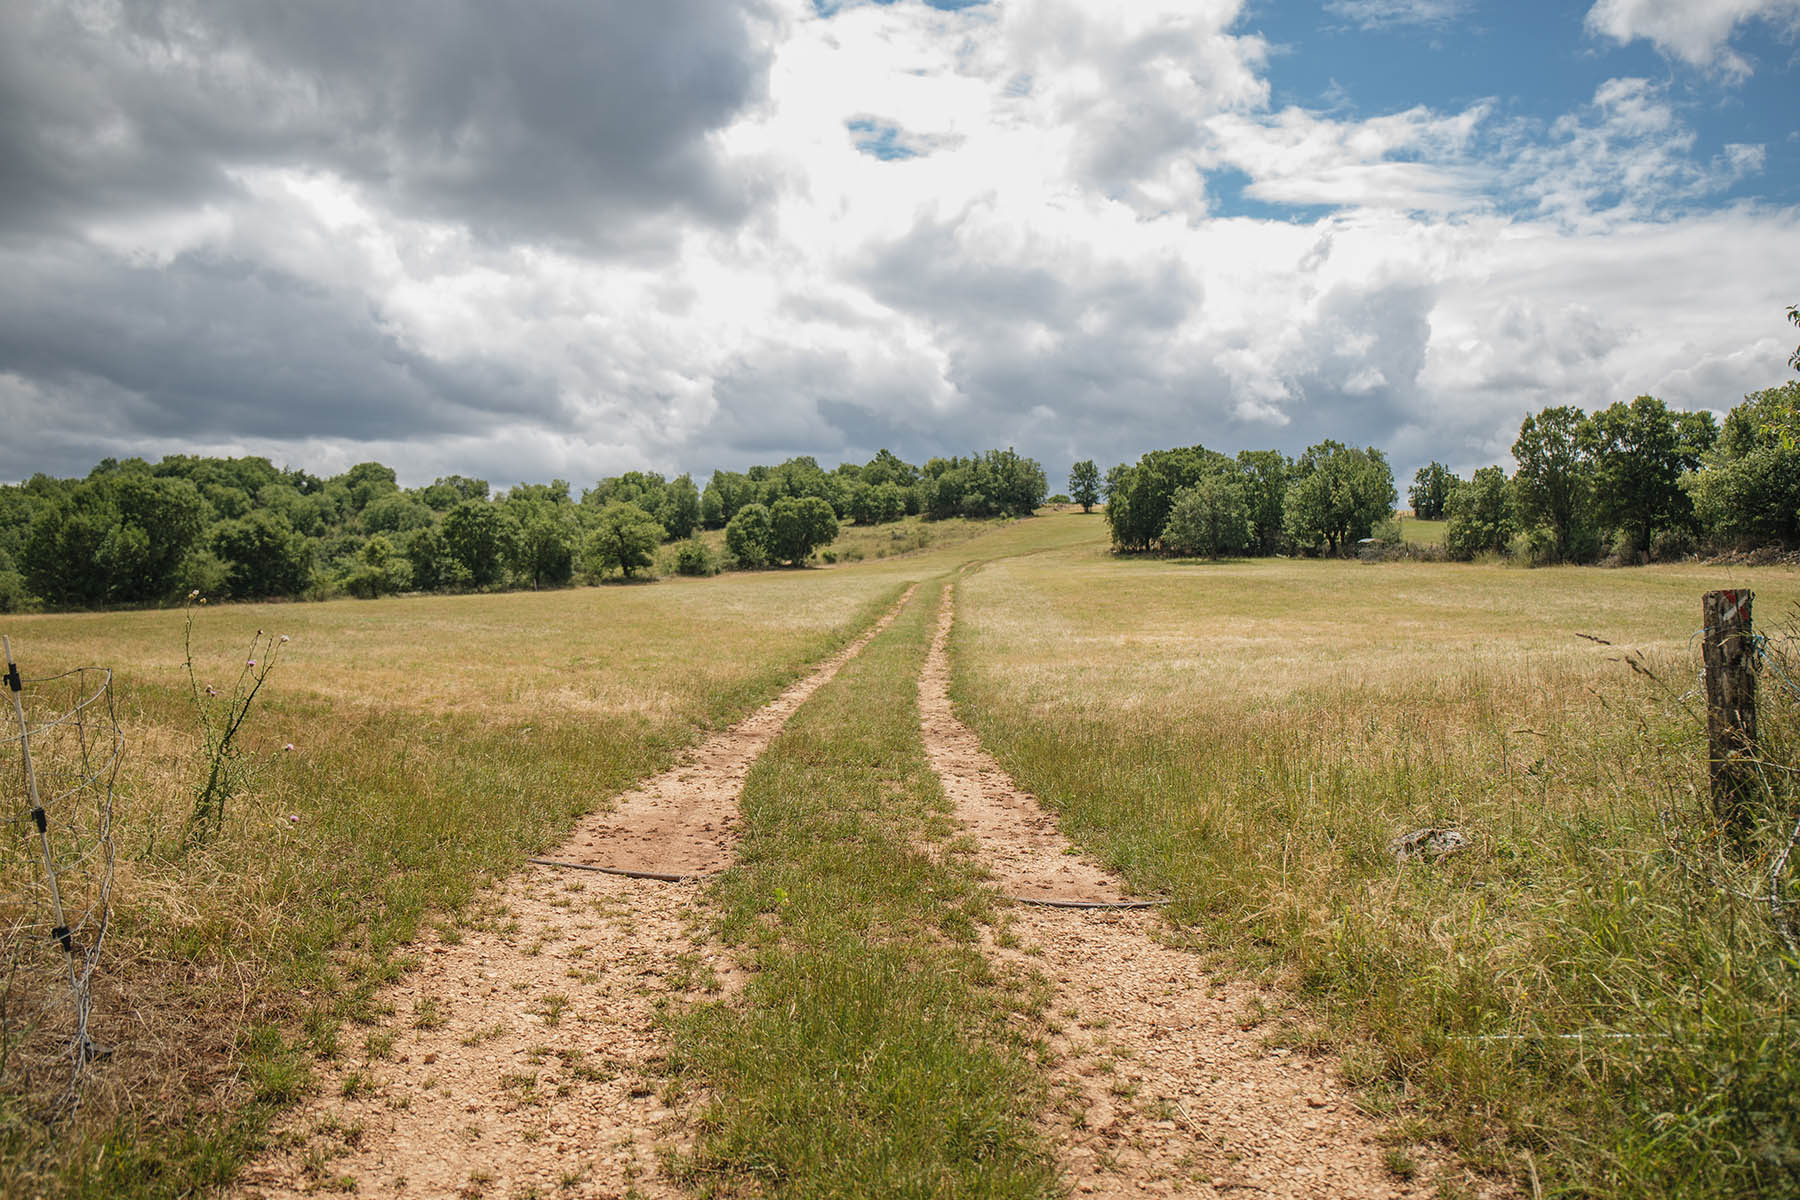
(221, 720)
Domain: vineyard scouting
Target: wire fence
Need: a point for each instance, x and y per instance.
(56, 871)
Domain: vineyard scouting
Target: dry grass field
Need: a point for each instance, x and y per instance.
(436, 742)
(1567, 1000)
(1565, 996)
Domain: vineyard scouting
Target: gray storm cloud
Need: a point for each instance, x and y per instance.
(569, 121)
(567, 238)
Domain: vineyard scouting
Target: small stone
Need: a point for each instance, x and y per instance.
(1428, 845)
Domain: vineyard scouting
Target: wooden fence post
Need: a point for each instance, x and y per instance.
(1731, 709)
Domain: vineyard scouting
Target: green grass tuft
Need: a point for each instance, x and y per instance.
(869, 1055)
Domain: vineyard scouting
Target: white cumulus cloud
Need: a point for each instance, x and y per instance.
(1698, 32)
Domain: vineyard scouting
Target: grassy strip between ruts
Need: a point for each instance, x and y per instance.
(242, 959)
(1572, 999)
(871, 1052)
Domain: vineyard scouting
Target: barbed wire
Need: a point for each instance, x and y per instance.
(56, 874)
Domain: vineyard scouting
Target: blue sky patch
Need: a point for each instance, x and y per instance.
(878, 139)
(1536, 62)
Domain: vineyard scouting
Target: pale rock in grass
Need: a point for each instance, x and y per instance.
(1428, 845)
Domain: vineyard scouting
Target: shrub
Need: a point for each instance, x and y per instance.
(694, 557)
(1624, 549)
(1209, 519)
(1672, 545)
(747, 536)
(380, 570)
(205, 572)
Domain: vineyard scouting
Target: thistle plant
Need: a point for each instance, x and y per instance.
(221, 717)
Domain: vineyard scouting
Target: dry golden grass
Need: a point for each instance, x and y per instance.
(437, 741)
(1247, 737)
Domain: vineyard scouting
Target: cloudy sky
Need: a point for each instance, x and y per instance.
(564, 238)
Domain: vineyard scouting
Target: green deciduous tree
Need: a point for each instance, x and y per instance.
(1429, 494)
(1209, 519)
(798, 526)
(546, 533)
(1140, 497)
(680, 511)
(998, 483)
(380, 570)
(1749, 493)
(1084, 484)
(623, 536)
(312, 513)
(393, 513)
(877, 504)
(432, 567)
(362, 484)
(264, 556)
(448, 491)
(117, 537)
(1265, 479)
(544, 550)
(1554, 484)
(747, 536)
(1336, 494)
(1640, 452)
(725, 493)
(478, 539)
(1481, 516)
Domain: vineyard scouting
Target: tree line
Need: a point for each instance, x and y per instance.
(1200, 502)
(1633, 482)
(135, 532)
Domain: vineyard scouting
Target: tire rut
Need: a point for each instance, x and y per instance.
(523, 1056)
(1160, 1084)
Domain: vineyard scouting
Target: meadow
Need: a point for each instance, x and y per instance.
(1422, 533)
(1565, 1000)
(436, 742)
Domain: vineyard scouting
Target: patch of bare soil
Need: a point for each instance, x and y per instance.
(1163, 1083)
(684, 821)
(523, 1056)
(1020, 842)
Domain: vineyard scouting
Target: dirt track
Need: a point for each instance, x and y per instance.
(1164, 1092)
(524, 1056)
